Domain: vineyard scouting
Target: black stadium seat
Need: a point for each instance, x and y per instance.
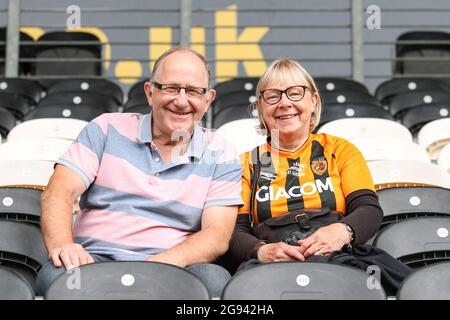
(237, 85)
(82, 111)
(234, 112)
(392, 87)
(301, 281)
(54, 48)
(13, 286)
(141, 108)
(130, 280)
(418, 53)
(402, 102)
(28, 89)
(94, 99)
(428, 283)
(345, 97)
(137, 89)
(417, 241)
(335, 84)
(16, 104)
(22, 249)
(231, 107)
(138, 100)
(101, 86)
(415, 118)
(26, 52)
(20, 204)
(408, 202)
(7, 121)
(335, 111)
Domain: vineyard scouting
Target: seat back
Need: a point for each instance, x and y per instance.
(400, 173)
(392, 87)
(336, 84)
(48, 128)
(347, 97)
(17, 104)
(20, 204)
(405, 101)
(74, 98)
(301, 281)
(415, 118)
(242, 134)
(13, 286)
(444, 159)
(417, 241)
(233, 113)
(366, 128)
(29, 89)
(428, 283)
(26, 50)
(336, 111)
(100, 86)
(408, 202)
(39, 149)
(7, 122)
(137, 89)
(56, 47)
(22, 249)
(245, 85)
(128, 280)
(434, 136)
(27, 174)
(419, 52)
(375, 149)
(58, 110)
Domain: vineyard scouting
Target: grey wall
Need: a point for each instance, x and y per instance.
(316, 32)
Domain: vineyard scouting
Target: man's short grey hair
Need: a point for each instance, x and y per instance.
(181, 49)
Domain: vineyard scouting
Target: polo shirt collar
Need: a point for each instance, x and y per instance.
(144, 128)
(196, 146)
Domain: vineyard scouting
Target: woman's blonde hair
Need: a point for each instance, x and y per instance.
(284, 69)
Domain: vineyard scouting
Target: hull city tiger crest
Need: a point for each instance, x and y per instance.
(319, 166)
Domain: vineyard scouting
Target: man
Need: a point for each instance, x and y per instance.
(154, 187)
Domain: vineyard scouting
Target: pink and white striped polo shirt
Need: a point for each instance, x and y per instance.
(135, 205)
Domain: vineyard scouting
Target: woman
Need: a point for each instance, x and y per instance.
(302, 170)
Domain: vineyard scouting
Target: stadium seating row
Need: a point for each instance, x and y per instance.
(271, 281)
(57, 54)
(413, 102)
(414, 228)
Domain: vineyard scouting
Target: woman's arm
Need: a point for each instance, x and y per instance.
(364, 214)
(243, 243)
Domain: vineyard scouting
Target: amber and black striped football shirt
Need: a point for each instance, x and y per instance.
(321, 173)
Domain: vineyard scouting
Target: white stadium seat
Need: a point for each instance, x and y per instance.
(48, 128)
(444, 158)
(434, 136)
(386, 174)
(25, 173)
(362, 128)
(390, 149)
(242, 134)
(33, 149)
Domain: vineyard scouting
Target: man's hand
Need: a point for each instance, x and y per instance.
(325, 240)
(279, 251)
(71, 255)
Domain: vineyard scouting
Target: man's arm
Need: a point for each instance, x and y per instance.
(56, 218)
(207, 244)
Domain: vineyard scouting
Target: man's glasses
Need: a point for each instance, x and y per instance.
(294, 93)
(172, 89)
